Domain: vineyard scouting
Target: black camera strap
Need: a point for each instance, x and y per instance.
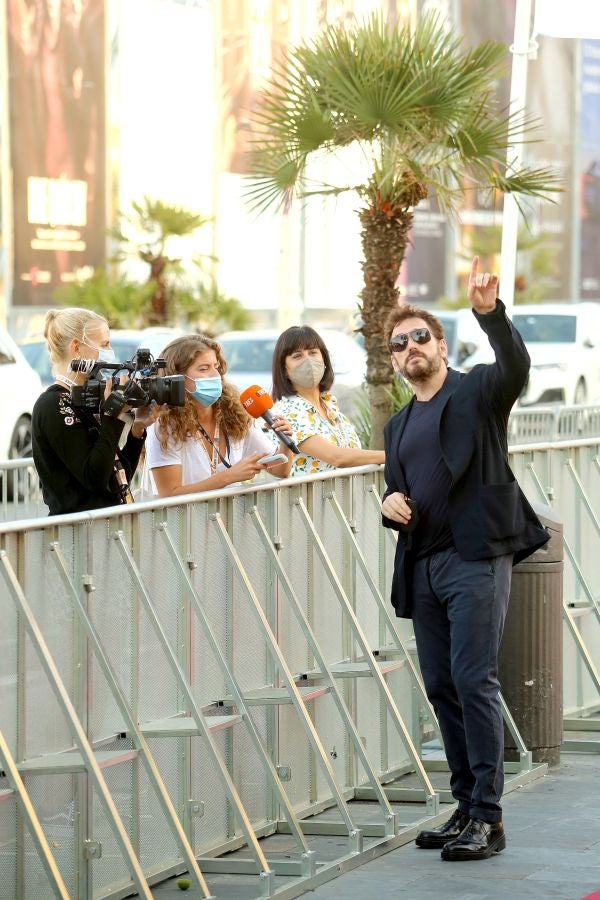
(204, 434)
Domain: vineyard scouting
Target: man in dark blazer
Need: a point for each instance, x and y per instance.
(462, 523)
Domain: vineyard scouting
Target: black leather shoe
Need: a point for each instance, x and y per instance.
(440, 836)
(479, 840)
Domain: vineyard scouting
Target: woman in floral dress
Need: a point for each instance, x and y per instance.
(302, 377)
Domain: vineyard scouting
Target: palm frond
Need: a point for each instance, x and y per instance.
(422, 100)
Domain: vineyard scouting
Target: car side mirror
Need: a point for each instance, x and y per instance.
(588, 342)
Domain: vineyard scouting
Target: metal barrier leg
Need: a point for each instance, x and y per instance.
(136, 735)
(328, 676)
(239, 701)
(64, 701)
(199, 720)
(431, 796)
(33, 823)
(354, 833)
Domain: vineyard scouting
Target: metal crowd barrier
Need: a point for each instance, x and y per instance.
(188, 683)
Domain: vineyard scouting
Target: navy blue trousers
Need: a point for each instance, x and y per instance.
(459, 609)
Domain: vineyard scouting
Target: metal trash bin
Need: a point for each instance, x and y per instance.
(531, 654)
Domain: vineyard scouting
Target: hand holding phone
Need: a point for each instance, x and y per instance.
(273, 459)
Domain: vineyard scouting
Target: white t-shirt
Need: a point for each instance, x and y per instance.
(194, 459)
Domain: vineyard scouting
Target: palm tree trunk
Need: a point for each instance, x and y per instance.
(384, 237)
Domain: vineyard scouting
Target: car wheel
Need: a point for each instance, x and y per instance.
(580, 395)
(20, 447)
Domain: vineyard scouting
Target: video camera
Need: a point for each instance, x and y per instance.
(143, 384)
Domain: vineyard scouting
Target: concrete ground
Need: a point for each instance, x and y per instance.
(553, 853)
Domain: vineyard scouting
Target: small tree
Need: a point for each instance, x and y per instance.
(121, 302)
(146, 233)
(423, 111)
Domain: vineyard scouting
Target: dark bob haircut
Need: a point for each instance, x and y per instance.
(298, 337)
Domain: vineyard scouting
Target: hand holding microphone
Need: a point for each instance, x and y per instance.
(258, 403)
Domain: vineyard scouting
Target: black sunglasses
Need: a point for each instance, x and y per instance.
(399, 342)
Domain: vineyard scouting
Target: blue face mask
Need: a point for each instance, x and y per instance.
(208, 390)
(105, 354)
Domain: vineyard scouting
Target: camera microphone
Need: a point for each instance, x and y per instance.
(257, 403)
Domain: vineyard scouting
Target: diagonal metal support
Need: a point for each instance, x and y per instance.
(525, 756)
(354, 833)
(572, 557)
(327, 677)
(583, 495)
(382, 607)
(236, 695)
(64, 701)
(136, 735)
(265, 874)
(581, 646)
(359, 636)
(33, 823)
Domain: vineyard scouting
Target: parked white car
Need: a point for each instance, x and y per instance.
(249, 355)
(20, 387)
(463, 334)
(563, 340)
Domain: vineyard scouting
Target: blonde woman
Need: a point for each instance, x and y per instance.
(76, 451)
(211, 442)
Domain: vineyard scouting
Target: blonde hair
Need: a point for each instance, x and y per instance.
(180, 422)
(63, 325)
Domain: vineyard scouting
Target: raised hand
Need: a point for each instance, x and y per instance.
(482, 289)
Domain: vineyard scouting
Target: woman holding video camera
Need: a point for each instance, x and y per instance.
(211, 442)
(76, 451)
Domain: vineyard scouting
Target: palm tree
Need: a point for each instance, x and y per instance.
(422, 109)
(146, 232)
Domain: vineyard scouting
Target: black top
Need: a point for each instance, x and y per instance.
(74, 454)
(427, 476)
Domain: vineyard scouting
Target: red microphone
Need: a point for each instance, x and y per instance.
(257, 403)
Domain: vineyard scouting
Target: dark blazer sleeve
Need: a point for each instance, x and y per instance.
(504, 379)
(391, 484)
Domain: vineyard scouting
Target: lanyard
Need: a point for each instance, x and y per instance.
(216, 456)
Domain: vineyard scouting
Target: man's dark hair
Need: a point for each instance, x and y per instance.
(298, 337)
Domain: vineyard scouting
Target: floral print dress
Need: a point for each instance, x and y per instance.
(307, 422)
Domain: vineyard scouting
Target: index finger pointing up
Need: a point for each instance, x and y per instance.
(474, 268)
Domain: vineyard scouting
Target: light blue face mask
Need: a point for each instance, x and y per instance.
(208, 390)
(105, 354)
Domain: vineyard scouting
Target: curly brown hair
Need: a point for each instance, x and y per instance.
(180, 422)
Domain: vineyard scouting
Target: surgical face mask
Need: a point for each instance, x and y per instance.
(208, 390)
(308, 374)
(105, 354)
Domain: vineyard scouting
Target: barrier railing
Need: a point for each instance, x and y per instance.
(187, 678)
(21, 495)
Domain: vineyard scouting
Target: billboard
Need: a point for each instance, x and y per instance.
(56, 94)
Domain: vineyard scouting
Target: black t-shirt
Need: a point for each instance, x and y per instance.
(427, 476)
(75, 455)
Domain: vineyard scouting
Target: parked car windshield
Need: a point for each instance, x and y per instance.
(248, 355)
(546, 329)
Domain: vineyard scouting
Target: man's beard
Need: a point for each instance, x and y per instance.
(427, 368)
